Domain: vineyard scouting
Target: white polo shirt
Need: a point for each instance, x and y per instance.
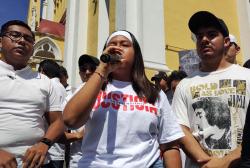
(25, 96)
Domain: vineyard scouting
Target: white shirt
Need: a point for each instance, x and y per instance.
(69, 90)
(124, 131)
(213, 105)
(75, 147)
(25, 97)
(56, 152)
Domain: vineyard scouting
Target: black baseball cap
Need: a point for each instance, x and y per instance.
(85, 58)
(160, 75)
(206, 19)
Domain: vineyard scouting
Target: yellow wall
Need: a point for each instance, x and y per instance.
(36, 5)
(92, 35)
(60, 43)
(60, 7)
(112, 4)
(177, 14)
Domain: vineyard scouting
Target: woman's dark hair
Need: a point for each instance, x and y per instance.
(140, 83)
(6, 25)
(50, 68)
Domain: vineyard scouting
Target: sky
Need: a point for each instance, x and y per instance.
(13, 9)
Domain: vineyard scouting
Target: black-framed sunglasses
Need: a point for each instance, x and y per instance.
(17, 36)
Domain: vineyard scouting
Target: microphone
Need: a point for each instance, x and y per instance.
(108, 58)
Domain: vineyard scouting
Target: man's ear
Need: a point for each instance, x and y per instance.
(226, 41)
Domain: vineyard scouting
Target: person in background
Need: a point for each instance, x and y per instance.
(69, 91)
(174, 79)
(215, 93)
(87, 65)
(161, 81)
(129, 119)
(28, 101)
(52, 70)
(245, 153)
(64, 80)
(233, 50)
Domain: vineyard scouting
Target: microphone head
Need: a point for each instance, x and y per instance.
(105, 58)
(108, 58)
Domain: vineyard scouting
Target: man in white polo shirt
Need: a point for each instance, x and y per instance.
(27, 102)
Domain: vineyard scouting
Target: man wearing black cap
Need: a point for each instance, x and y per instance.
(211, 104)
(161, 81)
(87, 65)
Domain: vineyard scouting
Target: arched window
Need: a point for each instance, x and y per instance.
(46, 48)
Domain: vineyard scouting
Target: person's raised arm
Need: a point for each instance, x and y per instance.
(77, 110)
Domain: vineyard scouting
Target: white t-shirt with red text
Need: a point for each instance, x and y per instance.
(125, 131)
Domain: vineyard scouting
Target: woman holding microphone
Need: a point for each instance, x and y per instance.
(127, 118)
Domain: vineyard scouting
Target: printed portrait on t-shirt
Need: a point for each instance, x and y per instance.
(213, 120)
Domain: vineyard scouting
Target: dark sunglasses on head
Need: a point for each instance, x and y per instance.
(17, 36)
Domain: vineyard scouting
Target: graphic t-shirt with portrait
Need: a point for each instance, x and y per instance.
(213, 105)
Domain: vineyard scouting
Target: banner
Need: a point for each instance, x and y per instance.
(189, 61)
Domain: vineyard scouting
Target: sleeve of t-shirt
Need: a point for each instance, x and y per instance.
(61, 92)
(169, 129)
(179, 104)
(67, 99)
(54, 102)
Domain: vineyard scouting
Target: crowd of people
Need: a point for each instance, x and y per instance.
(117, 117)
